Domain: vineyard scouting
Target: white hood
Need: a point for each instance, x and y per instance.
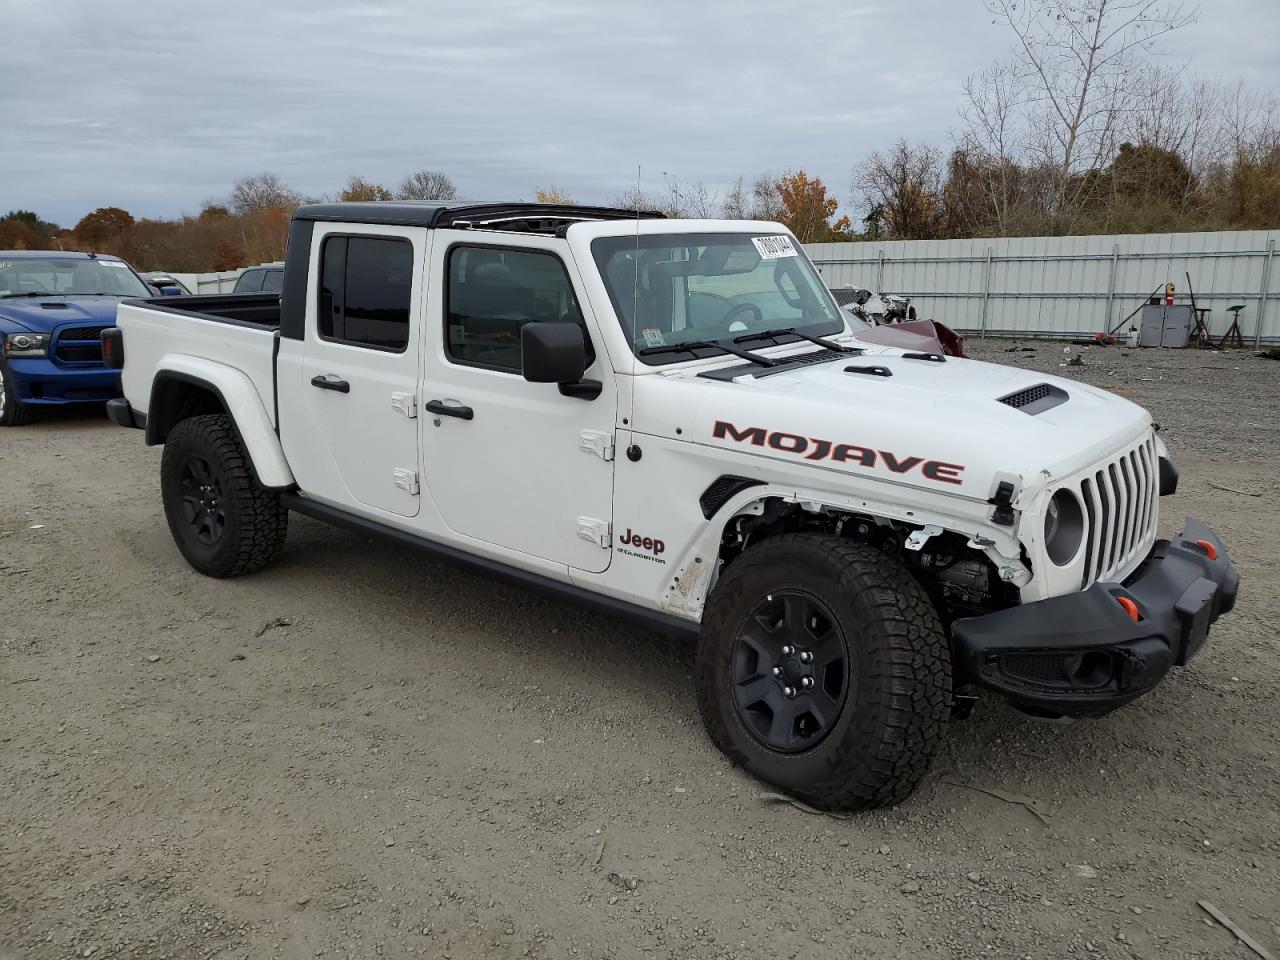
(894, 427)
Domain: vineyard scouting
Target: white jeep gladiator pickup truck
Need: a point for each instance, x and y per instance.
(672, 420)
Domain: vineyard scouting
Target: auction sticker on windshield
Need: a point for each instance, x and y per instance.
(771, 248)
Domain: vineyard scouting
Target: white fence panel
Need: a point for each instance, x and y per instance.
(1067, 286)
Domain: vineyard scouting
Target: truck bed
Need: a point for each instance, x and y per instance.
(258, 309)
(228, 332)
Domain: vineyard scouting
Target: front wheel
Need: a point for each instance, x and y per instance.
(224, 523)
(823, 669)
(13, 412)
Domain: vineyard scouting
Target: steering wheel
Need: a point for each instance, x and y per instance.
(729, 318)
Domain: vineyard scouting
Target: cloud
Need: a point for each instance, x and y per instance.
(157, 108)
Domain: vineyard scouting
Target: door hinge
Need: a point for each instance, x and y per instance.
(405, 403)
(406, 480)
(597, 442)
(599, 532)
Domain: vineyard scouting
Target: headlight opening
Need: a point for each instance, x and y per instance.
(1063, 527)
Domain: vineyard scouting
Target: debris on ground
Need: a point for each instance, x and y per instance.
(274, 624)
(1223, 486)
(1269, 354)
(1031, 803)
(1239, 934)
(802, 806)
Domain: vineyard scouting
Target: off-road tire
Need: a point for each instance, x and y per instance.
(12, 412)
(253, 522)
(899, 689)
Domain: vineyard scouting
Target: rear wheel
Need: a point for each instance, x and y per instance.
(13, 412)
(224, 523)
(822, 668)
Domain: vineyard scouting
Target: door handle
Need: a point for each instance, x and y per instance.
(450, 408)
(330, 382)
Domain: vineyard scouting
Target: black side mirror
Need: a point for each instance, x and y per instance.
(553, 352)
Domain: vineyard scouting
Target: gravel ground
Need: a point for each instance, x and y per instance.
(359, 753)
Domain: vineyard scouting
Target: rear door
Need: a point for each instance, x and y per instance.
(514, 464)
(348, 418)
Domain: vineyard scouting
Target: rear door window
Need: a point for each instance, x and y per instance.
(273, 281)
(366, 284)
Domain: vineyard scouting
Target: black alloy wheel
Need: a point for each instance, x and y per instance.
(790, 671)
(202, 500)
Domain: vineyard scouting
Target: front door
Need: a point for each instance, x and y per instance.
(510, 463)
(349, 427)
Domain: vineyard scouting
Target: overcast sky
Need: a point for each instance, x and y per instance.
(157, 107)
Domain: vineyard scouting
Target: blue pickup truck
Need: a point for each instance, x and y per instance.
(53, 308)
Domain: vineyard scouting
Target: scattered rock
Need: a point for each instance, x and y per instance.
(910, 887)
(155, 658)
(973, 876)
(388, 841)
(885, 850)
(238, 656)
(302, 901)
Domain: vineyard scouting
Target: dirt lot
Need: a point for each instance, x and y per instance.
(360, 753)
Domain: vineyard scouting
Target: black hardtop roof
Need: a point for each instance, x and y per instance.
(435, 213)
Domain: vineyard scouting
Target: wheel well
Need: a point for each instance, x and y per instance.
(175, 398)
(960, 580)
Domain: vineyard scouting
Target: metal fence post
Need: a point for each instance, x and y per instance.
(986, 295)
(880, 274)
(1111, 286)
(1266, 288)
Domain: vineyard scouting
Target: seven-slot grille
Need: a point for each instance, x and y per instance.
(1120, 502)
(79, 345)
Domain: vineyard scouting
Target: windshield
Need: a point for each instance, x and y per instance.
(669, 289)
(61, 276)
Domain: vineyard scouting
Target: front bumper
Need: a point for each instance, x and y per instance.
(1083, 654)
(41, 382)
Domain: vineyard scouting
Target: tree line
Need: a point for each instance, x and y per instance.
(1080, 129)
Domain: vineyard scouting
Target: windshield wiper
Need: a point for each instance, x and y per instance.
(792, 331)
(31, 293)
(690, 346)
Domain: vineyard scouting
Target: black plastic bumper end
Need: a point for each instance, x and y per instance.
(1083, 654)
(123, 415)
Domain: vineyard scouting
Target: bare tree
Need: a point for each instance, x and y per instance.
(994, 104)
(263, 192)
(1077, 59)
(760, 200)
(427, 185)
(901, 190)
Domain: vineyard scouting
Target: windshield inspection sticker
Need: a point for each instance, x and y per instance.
(653, 337)
(771, 248)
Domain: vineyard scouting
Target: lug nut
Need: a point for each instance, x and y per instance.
(806, 657)
(777, 671)
(789, 691)
(788, 650)
(806, 682)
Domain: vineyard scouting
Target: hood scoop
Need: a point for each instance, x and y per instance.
(1037, 399)
(53, 306)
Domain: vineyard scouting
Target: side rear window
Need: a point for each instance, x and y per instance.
(365, 287)
(492, 293)
(273, 281)
(249, 282)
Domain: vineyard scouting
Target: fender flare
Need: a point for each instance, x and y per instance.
(239, 397)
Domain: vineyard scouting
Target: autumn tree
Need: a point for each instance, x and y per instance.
(427, 185)
(103, 225)
(358, 188)
(807, 209)
(904, 186)
(552, 194)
